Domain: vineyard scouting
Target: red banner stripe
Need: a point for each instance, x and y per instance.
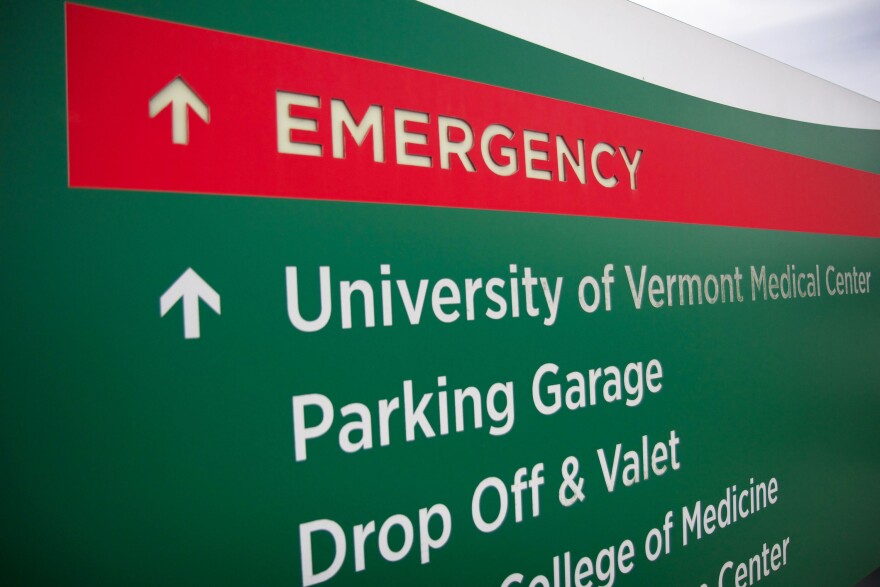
(117, 64)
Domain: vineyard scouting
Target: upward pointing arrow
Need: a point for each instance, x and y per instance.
(179, 95)
(191, 288)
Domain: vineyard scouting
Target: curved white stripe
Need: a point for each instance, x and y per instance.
(638, 42)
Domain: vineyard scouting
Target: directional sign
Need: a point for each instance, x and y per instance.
(492, 316)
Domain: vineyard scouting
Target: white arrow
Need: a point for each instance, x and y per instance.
(191, 288)
(179, 96)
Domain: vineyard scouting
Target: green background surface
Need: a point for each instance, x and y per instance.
(133, 456)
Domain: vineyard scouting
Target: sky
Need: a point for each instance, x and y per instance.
(837, 40)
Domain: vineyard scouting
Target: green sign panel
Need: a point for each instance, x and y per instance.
(357, 294)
